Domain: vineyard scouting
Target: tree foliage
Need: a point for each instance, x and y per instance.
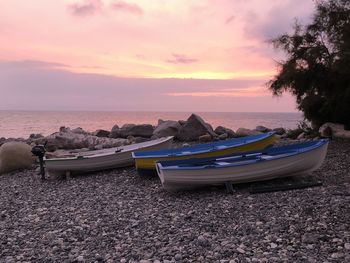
(317, 68)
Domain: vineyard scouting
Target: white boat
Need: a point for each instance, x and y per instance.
(273, 162)
(103, 159)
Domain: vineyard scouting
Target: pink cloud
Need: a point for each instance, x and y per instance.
(181, 59)
(229, 19)
(237, 92)
(86, 8)
(126, 7)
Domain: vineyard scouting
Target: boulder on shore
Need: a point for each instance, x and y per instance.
(167, 128)
(193, 128)
(70, 140)
(334, 130)
(279, 131)
(136, 130)
(15, 156)
(220, 130)
(205, 138)
(114, 132)
(261, 128)
(242, 132)
(101, 133)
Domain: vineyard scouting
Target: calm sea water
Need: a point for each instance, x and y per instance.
(23, 123)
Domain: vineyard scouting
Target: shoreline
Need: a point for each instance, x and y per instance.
(118, 216)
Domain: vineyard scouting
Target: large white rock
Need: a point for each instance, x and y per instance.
(167, 128)
(334, 130)
(15, 156)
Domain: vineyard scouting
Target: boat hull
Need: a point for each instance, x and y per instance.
(298, 164)
(116, 158)
(147, 165)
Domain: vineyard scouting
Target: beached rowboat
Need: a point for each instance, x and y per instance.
(145, 161)
(297, 159)
(104, 159)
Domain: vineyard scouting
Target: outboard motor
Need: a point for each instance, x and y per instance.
(39, 151)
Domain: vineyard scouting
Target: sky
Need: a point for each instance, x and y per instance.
(144, 55)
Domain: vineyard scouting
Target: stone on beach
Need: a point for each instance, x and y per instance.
(167, 128)
(205, 138)
(334, 130)
(115, 132)
(279, 131)
(261, 128)
(136, 130)
(193, 128)
(70, 140)
(101, 133)
(241, 132)
(220, 130)
(15, 156)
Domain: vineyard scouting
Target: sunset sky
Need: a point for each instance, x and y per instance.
(156, 55)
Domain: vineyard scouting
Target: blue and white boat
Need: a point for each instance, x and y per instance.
(145, 162)
(270, 163)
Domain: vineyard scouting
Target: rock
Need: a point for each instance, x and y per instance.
(279, 131)
(64, 129)
(273, 245)
(178, 257)
(2, 140)
(223, 136)
(15, 156)
(140, 130)
(334, 130)
(240, 250)
(301, 136)
(309, 238)
(79, 131)
(337, 255)
(36, 136)
(70, 140)
(182, 122)
(193, 128)
(347, 246)
(101, 133)
(293, 134)
(140, 139)
(114, 132)
(262, 129)
(160, 121)
(222, 130)
(241, 132)
(167, 128)
(202, 241)
(205, 138)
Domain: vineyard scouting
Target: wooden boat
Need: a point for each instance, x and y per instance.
(273, 162)
(145, 161)
(104, 159)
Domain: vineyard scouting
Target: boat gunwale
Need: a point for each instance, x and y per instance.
(211, 147)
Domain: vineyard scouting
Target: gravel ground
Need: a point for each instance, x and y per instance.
(117, 216)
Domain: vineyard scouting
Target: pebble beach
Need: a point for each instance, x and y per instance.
(118, 216)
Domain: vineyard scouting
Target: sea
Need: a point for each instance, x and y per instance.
(16, 124)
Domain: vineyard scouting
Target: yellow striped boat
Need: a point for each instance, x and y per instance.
(145, 161)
